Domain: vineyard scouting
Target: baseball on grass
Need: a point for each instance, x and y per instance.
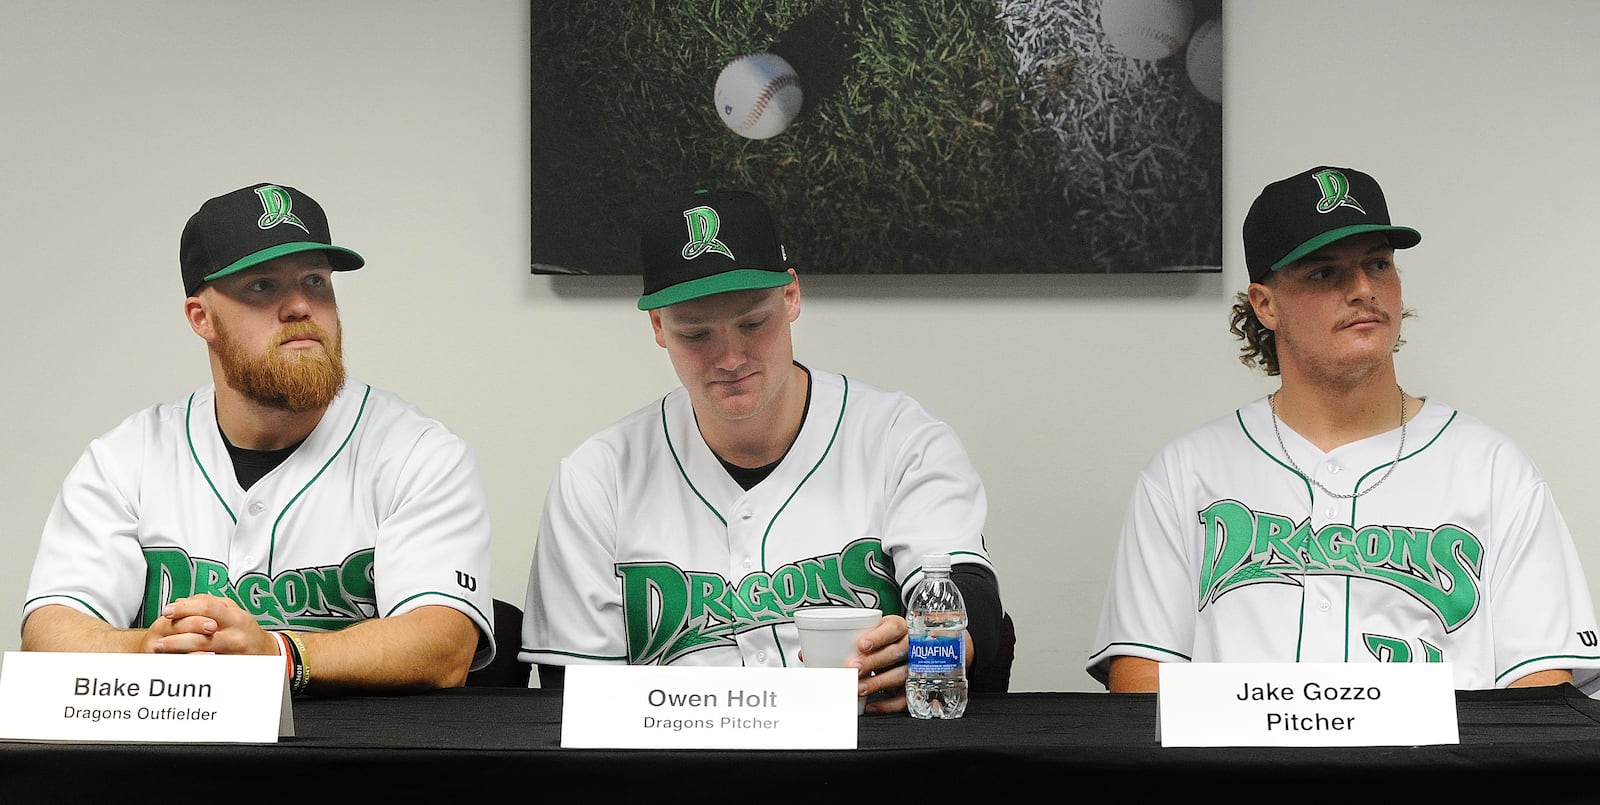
(1205, 59)
(1147, 30)
(758, 95)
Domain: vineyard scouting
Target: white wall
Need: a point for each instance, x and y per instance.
(408, 119)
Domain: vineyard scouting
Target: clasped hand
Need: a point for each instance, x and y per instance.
(207, 624)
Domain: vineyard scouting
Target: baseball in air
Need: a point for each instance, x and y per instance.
(1205, 59)
(1147, 30)
(758, 95)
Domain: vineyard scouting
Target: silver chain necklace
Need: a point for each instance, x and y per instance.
(1272, 403)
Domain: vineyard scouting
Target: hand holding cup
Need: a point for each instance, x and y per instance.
(829, 636)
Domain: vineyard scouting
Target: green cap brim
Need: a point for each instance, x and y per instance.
(352, 261)
(742, 279)
(1402, 237)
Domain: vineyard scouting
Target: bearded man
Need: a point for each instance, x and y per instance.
(282, 509)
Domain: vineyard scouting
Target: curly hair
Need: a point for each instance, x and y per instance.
(1260, 348)
(1260, 344)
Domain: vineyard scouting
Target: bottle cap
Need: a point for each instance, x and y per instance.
(936, 561)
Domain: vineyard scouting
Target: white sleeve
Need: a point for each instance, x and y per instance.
(1151, 598)
(574, 606)
(1540, 606)
(935, 501)
(433, 546)
(89, 555)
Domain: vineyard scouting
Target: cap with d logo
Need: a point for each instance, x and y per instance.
(1294, 217)
(250, 226)
(712, 242)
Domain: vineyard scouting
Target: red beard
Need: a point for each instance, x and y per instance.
(303, 380)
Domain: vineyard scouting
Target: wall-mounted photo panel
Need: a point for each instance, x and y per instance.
(935, 137)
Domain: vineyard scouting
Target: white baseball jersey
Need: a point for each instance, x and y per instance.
(1460, 556)
(650, 553)
(379, 511)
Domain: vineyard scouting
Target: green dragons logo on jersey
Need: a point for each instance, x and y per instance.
(669, 613)
(277, 208)
(703, 225)
(1335, 192)
(317, 598)
(1440, 567)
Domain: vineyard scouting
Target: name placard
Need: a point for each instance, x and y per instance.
(163, 698)
(1306, 704)
(686, 707)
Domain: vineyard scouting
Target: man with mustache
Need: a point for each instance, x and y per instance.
(1341, 518)
(282, 509)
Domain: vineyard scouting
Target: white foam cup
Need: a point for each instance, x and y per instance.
(828, 636)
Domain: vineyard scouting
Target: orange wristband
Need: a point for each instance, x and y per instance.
(288, 657)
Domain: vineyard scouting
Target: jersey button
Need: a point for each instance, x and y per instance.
(257, 507)
(748, 563)
(1334, 468)
(747, 515)
(1324, 605)
(761, 657)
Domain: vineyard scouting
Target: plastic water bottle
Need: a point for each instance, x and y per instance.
(936, 678)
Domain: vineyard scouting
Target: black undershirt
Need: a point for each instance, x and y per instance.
(250, 466)
(748, 477)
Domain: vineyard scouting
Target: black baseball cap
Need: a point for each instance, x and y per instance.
(711, 242)
(250, 226)
(1294, 217)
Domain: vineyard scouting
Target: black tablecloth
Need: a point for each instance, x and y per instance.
(458, 744)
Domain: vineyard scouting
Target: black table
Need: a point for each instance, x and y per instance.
(461, 744)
